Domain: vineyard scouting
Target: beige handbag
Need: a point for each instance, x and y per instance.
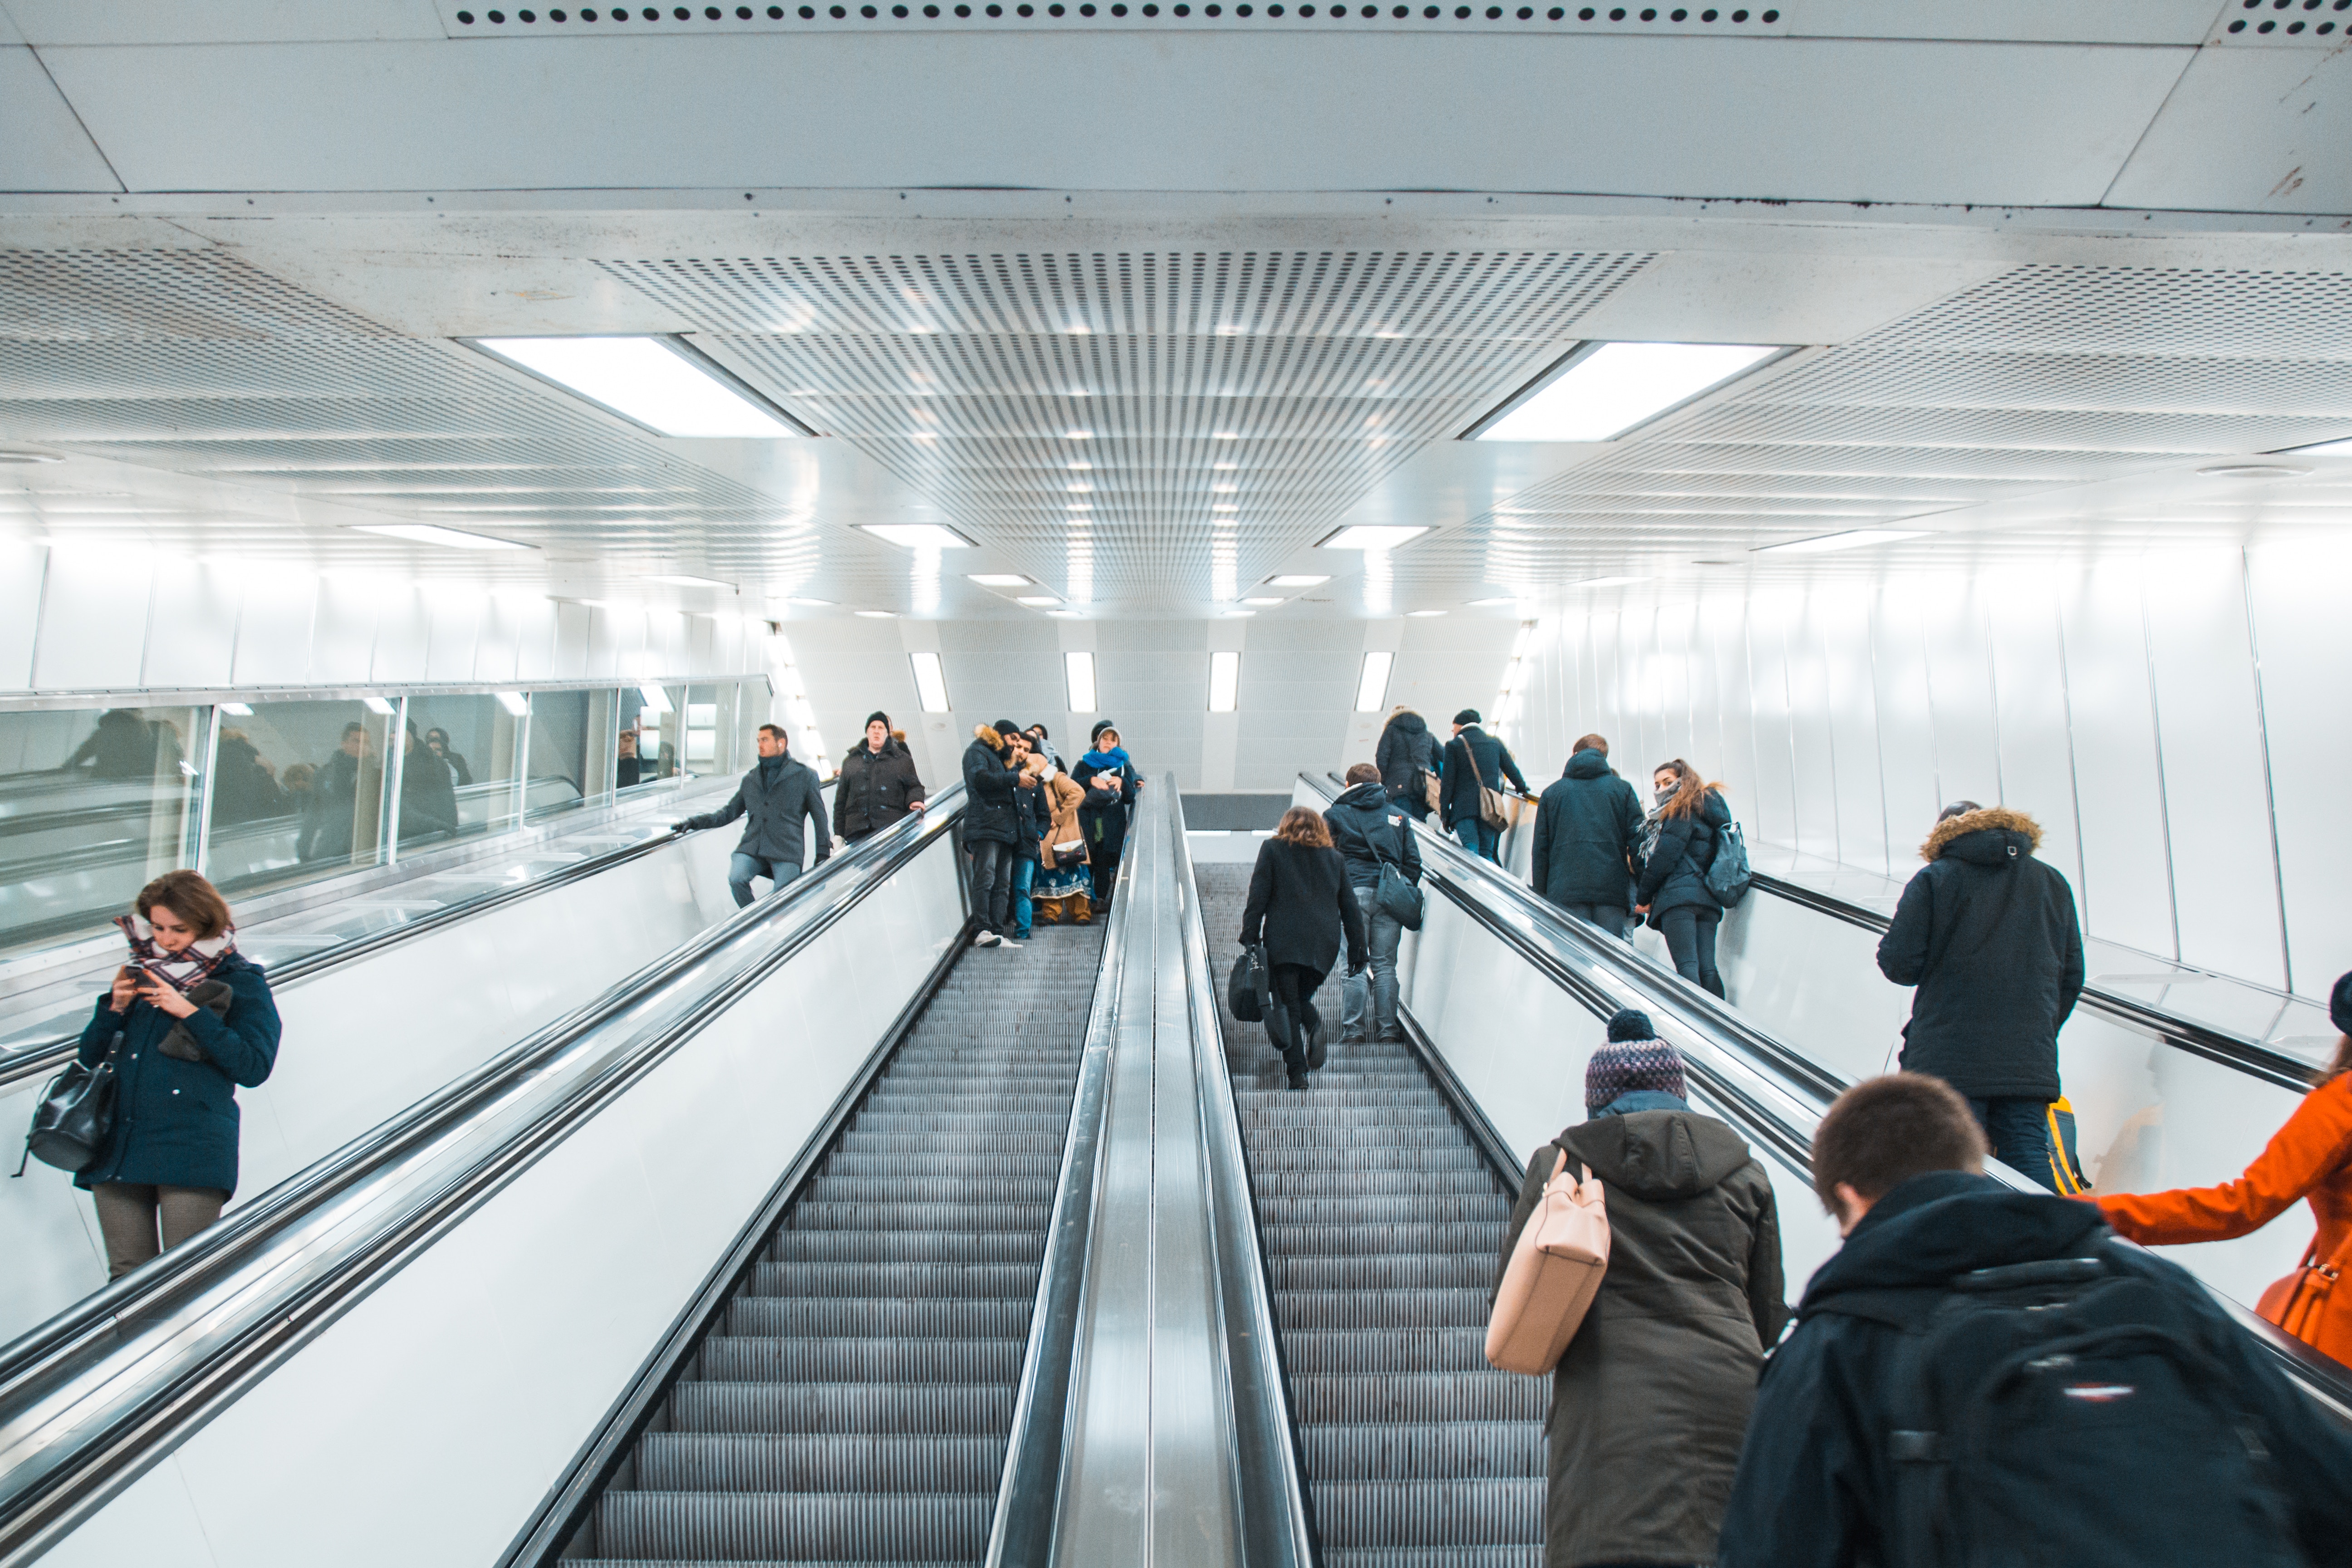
(1555, 1271)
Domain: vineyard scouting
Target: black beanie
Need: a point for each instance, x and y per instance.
(878, 713)
(1096, 734)
(1468, 716)
(2339, 1003)
(1632, 1023)
(1006, 728)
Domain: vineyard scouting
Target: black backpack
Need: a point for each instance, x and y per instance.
(2070, 1412)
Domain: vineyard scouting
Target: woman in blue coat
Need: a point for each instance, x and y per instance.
(1673, 891)
(187, 1020)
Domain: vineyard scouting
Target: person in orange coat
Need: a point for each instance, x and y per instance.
(2310, 1157)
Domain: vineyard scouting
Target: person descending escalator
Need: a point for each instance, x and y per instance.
(1110, 781)
(1407, 759)
(1650, 1402)
(1673, 893)
(1369, 830)
(990, 832)
(1588, 831)
(1301, 907)
(776, 794)
(1032, 817)
(877, 785)
(1987, 933)
(1063, 891)
(2310, 1158)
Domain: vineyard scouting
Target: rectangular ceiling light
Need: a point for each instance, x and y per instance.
(1000, 579)
(1080, 670)
(1600, 391)
(1853, 539)
(1262, 602)
(1225, 680)
(1607, 582)
(680, 580)
(658, 383)
(1037, 601)
(426, 534)
(931, 683)
(1296, 580)
(1372, 689)
(2318, 449)
(919, 535)
(1369, 536)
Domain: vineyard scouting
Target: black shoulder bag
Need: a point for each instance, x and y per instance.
(75, 1115)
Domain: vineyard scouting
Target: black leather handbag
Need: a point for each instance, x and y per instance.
(1246, 986)
(74, 1116)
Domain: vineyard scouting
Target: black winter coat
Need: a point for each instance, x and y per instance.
(1588, 827)
(990, 813)
(775, 810)
(1103, 814)
(1987, 935)
(874, 789)
(1032, 817)
(1473, 758)
(1815, 1480)
(1674, 876)
(1366, 825)
(1651, 1400)
(1301, 905)
(1407, 750)
(176, 1122)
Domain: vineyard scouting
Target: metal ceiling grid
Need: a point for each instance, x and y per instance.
(80, 296)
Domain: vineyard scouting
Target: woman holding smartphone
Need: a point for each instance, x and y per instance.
(187, 1020)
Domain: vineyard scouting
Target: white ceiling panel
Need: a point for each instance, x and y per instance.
(43, 146)
(2251, 129)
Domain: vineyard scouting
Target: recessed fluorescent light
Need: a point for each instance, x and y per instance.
(919, 535)
(1373, 536)
(1078, 435)
(514, 702)
(1607, 582)
(237, 710)
(658, 383)
(1000, 579)
(2342, 448)
(1489, 604)
(1603, 390)
(1854, 539)
(1224, 506)
(879, 615)
(1224, 468)
(1080, 489)
(1079, 465)
(426, 534)
(1237, 615)
(1372, 687)
(1225, 680)
(1424, 615)
(679, 580)
(930, 684)
(1296, 580)
(1261, 603)
(814, 603)
(1037, 601)
(2256, 471)
(1068, 614)
(1078, 668)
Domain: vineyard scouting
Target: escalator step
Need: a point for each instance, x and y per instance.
(925, 1527)
(957, 1281)
(917, 1404)
(847, 1358)
(1477, 1450)
(817, 1462)
(924, 1247)
(1456, 1511)
(1427, 1307)
(861, 1317)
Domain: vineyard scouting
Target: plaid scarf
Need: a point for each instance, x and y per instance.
(184, 969)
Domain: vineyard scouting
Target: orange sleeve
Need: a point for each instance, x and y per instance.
(2312, 1146)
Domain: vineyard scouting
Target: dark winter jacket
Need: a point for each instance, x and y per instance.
(1674, 876)
(1104, 813)
(1815, 1480)
(874, 789)
(990, 814)
(1587, 827)
(1300, 906)
(175, 1121)
(1367, 825)
(1033, 816)
(1407, 750)
(1987, 935)
(429, 795)
(1649, 1402)
(775, 799)
(331, 808)
(1473, 758)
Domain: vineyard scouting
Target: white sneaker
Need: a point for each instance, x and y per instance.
(986, 939)
(1010, 942)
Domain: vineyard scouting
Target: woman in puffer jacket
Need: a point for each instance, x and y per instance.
(1673, 890)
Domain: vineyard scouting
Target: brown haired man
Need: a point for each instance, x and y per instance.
(775, 794)
(1988, 1376)
(1587, 825)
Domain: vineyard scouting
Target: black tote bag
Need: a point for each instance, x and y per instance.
(74, 1116)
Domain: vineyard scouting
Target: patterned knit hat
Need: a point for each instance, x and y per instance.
(1632, 1059)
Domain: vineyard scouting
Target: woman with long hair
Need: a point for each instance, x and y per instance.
(187, 1021)
(1672, 893)
(1300, 906)
(2308, 1160)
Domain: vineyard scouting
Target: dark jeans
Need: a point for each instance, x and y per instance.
(1689, 932)
(1414, 801)
(1609, 917)
(1294, 986)
(1368, 1002)
(992, 883)
(1025, 876)
(130, 1214)
(1104, 869)
(1477, 837)
(742, 868)
(2019, 1132)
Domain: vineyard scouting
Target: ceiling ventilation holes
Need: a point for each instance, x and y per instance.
(504, 21)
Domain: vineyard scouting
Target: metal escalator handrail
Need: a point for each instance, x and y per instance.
(1268, 1472)
(1021, 1533)
(2248, 1056)
(91, 1399)
(48, 1055)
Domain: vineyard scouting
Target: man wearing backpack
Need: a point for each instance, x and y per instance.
(1984, 1375)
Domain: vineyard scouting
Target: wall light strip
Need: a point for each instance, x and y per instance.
(1079, 669)
(931, 683)
(1373, 688)
(1225, 680)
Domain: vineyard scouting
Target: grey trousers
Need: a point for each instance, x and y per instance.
(1611, 918)
(129, 1212)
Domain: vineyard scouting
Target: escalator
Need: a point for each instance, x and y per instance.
(853, 1400)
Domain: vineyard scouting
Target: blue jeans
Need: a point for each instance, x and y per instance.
(742, 868)
(1368, 1002)
(2019, 1131)
(1477, 837)
(1025, 877)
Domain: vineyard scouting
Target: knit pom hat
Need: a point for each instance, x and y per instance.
(1632, 1059)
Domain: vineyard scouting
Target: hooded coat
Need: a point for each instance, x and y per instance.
(1407, 750)
(774, 800)
(874, 789)
(176, 1122)
(1816, 1477)
(990, 815)
(1366, 827)
(1674, 876)
(1650, 1399)
(1587, 825)
(1989, 935)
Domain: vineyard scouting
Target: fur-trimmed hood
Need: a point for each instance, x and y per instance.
(987, 735)
(2000, 820)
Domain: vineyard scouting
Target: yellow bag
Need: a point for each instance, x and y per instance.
(2065, 1165)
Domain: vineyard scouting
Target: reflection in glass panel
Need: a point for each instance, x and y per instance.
(565, 770)
(652, 740)
(458, 769)
(298, 793)
(93, 804)
(712, 722)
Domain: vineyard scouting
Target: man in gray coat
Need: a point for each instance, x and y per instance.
(775, 795)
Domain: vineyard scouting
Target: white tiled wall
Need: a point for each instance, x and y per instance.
(2190, 792)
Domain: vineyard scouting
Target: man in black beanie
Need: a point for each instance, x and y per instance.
(877, 785)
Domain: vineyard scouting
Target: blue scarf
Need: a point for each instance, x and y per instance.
(1106, 762)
